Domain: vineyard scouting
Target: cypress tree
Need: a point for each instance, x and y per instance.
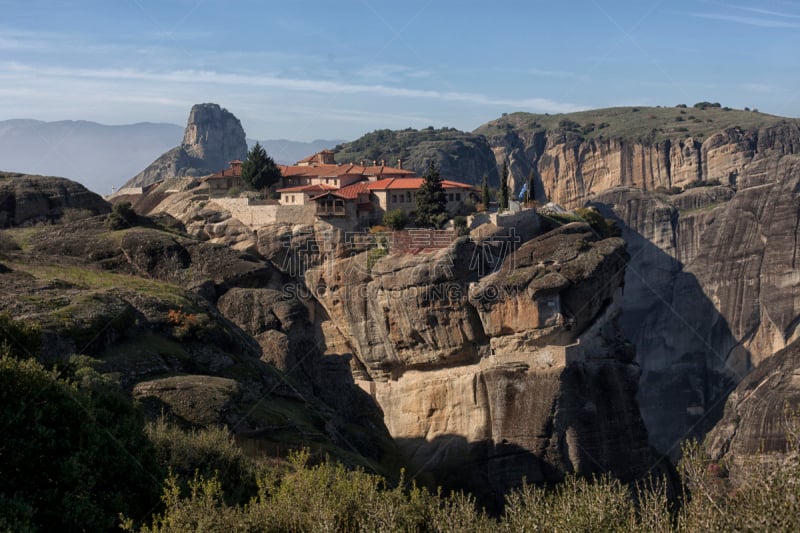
(504, 187)
(260, 171)
(485, 195)
(529, 193)
(431, 200)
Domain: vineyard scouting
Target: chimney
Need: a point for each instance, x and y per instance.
(399, 163)
(361, 163)
(383, 162)
(374, 163)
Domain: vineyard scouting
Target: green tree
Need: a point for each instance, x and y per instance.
(431, 200)
(395, 219)
(485, 195)
(529, 195)
(260, 171)
(504, 187)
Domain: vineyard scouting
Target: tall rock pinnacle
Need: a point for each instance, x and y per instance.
(213, 137)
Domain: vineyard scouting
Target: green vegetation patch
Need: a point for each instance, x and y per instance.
(640, 124)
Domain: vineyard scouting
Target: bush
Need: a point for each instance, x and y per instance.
(395, 219)
(121, 216)
(234, 192)
(605, 227)
(73, 458)
(75, 215)
(7, 242)
(460, 225)
(19, 338)
(208, 452)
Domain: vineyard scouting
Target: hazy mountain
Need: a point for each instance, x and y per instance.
(98, 156)
(101, 156)
(287, 152)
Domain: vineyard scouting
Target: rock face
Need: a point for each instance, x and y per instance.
(571, 166)
(761, 413)
(517, 373)
(26, 200)
(213, 137)
(711, 291)
(198, 331)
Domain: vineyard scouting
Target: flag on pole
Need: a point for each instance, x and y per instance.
(523, 191)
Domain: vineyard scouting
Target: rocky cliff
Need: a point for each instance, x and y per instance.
(27, 200)
(517, 373)
(197, 331)
(213, 137)
(576, 156)
(761, 413)
(711, 289)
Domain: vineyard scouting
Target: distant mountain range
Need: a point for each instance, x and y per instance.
(103, 157)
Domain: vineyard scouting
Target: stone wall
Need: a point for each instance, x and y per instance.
(256, 216)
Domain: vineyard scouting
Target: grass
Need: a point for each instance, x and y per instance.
(652, 124)
(23, 236)
(91, 279)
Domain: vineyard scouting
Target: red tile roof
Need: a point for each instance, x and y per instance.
(352, 191)
(414, 183)
(332, 171)
(310, 189)
(236, 171)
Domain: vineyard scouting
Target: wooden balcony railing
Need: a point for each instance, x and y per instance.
(331, 211)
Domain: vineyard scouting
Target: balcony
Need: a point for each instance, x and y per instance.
(328, 210)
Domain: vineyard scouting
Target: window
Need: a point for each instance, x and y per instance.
(408, 196)
(450, 197)
(458, 197)
(394, 198)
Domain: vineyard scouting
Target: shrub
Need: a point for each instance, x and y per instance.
(75, 215)
(208, 452)
(73, 458)
(460, 225)
(234, 192)
(7, 242)
(395, 219)
(19, 338)
(189, 326)
(605, 227)
(121, 216)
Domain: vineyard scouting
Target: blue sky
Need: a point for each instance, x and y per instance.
(305, 70)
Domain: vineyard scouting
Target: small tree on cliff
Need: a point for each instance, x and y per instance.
(260, 171)
(486, 197)
(529, 195)
(431, 200)
(504, 187)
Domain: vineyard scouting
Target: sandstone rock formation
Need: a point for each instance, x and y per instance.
(190, 329)
(213, 137)
(27, 200)
(517, 373)
(761, 413)
(571, 164)
(711, 289)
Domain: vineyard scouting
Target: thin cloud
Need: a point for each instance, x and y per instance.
(749, 21)
(289, 84)
(557, 74)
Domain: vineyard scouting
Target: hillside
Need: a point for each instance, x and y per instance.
(636, 124)
(459, 155)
